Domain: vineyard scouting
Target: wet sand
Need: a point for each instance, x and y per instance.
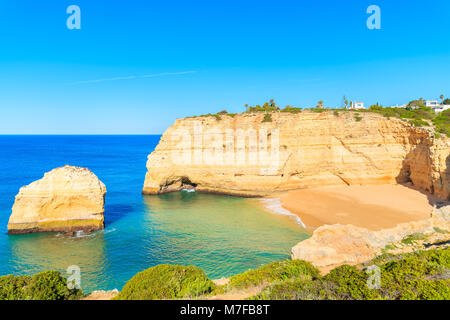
(373, 207)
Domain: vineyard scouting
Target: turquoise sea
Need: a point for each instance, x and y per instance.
(223, 235)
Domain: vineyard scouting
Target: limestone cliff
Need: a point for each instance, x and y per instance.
(65, 199)
(250, 155)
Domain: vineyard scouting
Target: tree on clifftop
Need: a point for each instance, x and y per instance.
(320, 104)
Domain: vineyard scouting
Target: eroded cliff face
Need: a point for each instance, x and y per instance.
(65, 199)
(245, 155)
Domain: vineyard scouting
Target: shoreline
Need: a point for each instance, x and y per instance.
(274, 205)
(375, 207)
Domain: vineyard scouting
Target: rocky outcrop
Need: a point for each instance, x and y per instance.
(249, 155)
(429, 166)
(65, 199)
(102, 295)
(334, 245)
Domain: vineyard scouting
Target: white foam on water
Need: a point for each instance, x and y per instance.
(82, 234)
(274, 205)
(109, 230)
(188, 190)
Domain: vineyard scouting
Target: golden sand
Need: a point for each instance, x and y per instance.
(373, 207)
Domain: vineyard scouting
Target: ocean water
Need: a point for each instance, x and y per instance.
(223, 235)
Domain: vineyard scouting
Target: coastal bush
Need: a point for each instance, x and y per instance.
(295, 290)
(51, 285)
(442, 122)
(357, 117)
(343, 283)
(419, 275)
(410, 239)
(11, 287)
(267, 117)
(439, 230)
(419, 113)
(418, 123)
(290, 109)
(348, 283)
(277, 271)
(318, 110)
(48, 285)
(167, 282)
(422, 275)
(266, 107)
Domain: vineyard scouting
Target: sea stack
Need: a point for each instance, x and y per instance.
(66, 199)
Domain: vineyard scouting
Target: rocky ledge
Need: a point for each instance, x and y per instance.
(333, 245)
(66, 199)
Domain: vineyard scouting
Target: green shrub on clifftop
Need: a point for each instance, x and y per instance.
(11, 287)
(282, 270)
(442, 122)
(267, 117)
(422, 275)
(167, 282)
(48, 285)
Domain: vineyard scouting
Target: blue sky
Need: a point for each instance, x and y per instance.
(171, 59)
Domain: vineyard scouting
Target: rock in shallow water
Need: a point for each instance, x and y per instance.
(66, 199)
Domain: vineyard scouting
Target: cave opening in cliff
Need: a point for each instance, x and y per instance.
(405, 174)
(186, 182)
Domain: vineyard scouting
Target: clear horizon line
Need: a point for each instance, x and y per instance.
(81, 134)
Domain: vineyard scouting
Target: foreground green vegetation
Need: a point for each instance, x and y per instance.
(167, 282)
(421, 275)
(48, 285)
(278, 271)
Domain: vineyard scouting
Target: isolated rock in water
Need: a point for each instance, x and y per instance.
(334, 245)
(66, 199)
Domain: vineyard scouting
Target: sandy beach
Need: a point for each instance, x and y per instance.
(373, 207)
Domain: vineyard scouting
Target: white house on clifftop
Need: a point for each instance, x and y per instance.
(357, 105)
(431, 103)
(436, 106)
